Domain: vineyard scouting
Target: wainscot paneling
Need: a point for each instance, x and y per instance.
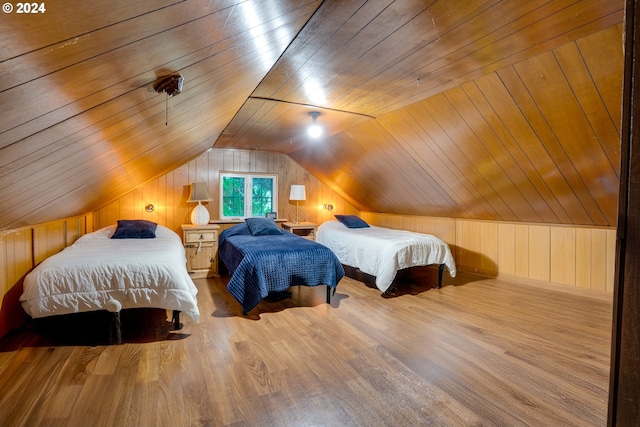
(444, 228)
(22, 249)
(169, 193)
(573, 256)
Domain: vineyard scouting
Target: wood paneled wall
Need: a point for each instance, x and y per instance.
(169, 192)
(578, 257)
(22, 249)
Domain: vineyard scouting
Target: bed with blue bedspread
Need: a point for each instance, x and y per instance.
(263, 259)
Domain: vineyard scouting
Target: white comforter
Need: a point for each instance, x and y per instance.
(381, 252)
(99, 273)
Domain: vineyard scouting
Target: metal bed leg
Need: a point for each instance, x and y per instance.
(330, 292)
(116, 327)
(440, 271)
(176, 320)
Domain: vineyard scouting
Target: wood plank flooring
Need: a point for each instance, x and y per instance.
(479, 352)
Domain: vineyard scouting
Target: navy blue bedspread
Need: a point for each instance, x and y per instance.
(262, 264)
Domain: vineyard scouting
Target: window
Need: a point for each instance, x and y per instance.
(247, 195)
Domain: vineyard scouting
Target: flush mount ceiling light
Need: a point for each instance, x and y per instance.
(171, 85)
(314, 130)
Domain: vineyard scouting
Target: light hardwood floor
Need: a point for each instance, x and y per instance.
(476, 352)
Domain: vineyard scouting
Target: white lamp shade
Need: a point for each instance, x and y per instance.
(200, 215)
(199, 192)
(297, 192)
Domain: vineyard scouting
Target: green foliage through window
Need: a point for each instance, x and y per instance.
(261, 196)
(233, 196)
(244, 195)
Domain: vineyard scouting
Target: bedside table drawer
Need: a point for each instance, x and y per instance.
(201, 236)
(201, 249)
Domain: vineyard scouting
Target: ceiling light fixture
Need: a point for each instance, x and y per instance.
(314, 130)
(171, 85)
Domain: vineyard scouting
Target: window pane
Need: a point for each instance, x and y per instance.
(237, 200)
(233, 196)
(261, 196)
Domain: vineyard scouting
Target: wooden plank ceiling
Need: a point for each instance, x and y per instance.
(502, 110)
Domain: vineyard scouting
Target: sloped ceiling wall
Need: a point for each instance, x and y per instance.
(81, 124)
(478, 109)
(489, 110)
(534, 142)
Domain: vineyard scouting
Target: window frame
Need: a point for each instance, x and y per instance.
(248, 193)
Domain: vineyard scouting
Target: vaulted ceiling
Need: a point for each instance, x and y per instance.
(504, 110)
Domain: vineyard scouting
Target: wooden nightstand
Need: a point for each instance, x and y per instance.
(201, 245)
(303, 229)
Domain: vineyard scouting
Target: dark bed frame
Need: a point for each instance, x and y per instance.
(116, 325)
(224, 271)
(369, 280)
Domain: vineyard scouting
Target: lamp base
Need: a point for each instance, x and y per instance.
(297, 216)
(200, 215)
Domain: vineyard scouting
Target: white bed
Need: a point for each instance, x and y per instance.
(381, 252)
(100, 273)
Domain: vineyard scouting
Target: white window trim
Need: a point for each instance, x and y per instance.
(248, 177)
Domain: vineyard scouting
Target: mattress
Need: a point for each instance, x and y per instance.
(259, 265)
(100, 273)
(381, 252)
